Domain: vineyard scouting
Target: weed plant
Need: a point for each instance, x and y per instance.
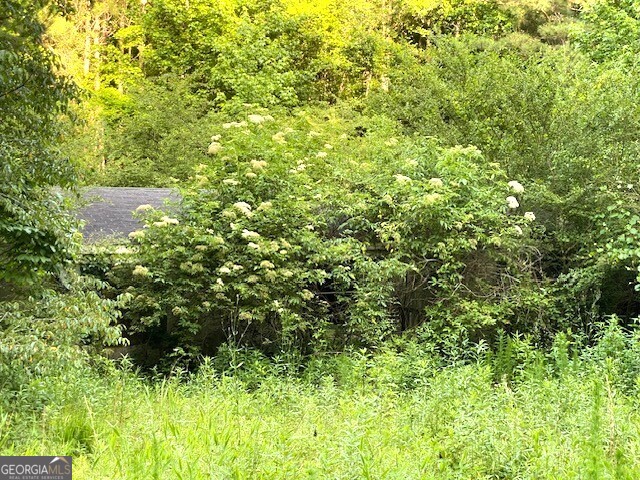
(396, 414)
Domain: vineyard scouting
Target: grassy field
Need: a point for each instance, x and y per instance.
(370, 420)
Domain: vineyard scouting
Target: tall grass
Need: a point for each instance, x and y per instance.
(366, 417)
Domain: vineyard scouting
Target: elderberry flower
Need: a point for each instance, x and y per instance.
(402, 178)
(244, 207)
(255, 118)
(248, 234)
(140, 271)
(214, 148)
(516, 186)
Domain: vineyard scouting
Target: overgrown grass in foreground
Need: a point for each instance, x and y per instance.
(387, 416)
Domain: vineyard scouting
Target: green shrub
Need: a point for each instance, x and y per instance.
(616, 354)
(325, 229)
(568, 130)
(50, 339)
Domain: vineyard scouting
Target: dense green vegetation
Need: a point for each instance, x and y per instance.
(33, 232)
(396, 414)
(407, 245)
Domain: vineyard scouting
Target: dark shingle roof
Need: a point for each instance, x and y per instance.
(109, 212)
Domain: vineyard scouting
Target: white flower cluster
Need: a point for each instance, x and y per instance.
(255, 118)
(165, 221)
(258, 164)
(144, 208)
(530, 217)
(512, 202)
(402, 178)
(264, 206)
(279, 138)
(214, 148)
(436, 182)
(258, 119)
(140, 271)
(137, 235)
(300, 168)
(516, 186)
(431, 198)
(249, 235)
(244, 207)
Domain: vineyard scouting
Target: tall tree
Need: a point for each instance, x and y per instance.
(34, 232)
(611, 31)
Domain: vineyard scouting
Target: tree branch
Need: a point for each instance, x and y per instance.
(4, 94)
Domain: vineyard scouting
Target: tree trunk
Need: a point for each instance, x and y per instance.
(121, 25)
(96, 55)
(87, 50)
(368, 83)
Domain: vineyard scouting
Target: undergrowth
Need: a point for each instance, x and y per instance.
(400, 412)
